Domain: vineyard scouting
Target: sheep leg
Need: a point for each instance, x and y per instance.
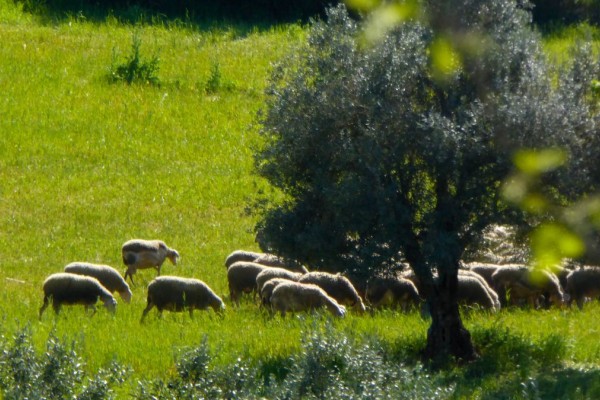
(129, 273)
(44, 306)
(56, 306)
(91, 307)
(580, 301)
(146, 310)
(234, 296)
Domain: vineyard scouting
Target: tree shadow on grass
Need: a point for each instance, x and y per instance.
(237, 15)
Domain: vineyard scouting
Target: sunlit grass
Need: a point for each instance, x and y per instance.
(86, 165)
(560, 43)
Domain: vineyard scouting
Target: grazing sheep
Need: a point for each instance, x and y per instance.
(411, 276)
(174, 293)
(474, 290)
(109, 277)
(529, 285)
(294, 296)
(65, 288)
(268, 287)
(141, 254)
(485, 270)
(582, 283)
(561, 273)
(241, 255)
(275, 272)
(491, 292)
(395, 292)
(269, 260)
(337, 286)
(272, 260)
(241, 277)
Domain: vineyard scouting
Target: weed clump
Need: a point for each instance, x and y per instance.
(216, 82)
(134, 69)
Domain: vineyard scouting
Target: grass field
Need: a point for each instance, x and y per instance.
(86, 164)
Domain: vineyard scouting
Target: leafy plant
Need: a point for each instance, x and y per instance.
(216, 82)
(134, 69)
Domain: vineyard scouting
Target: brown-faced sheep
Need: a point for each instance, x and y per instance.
(583, 283)
(141, 254)
(337, 286)
(392, 292)
(267, 259)
(267, 289)
(173, 293)
(241, 277)
(523, 283)
(65, 288)
(109, 277)
(294, 296)
(275, 272)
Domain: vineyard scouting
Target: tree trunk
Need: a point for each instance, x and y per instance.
(447, 338)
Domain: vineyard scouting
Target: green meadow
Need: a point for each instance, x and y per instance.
(87, 163)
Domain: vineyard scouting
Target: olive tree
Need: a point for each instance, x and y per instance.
(382, 159)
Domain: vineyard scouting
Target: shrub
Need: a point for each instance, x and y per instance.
(330, 365)
(58, 373)
(216, 82)
(134, 69)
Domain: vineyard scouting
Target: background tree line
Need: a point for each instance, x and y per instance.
(545, 12)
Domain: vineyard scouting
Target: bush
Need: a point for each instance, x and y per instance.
(135, 70)
(58, 373)
(328, 366)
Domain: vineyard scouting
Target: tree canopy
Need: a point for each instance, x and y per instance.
(383, 156)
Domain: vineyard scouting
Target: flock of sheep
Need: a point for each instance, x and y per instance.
(287, 286)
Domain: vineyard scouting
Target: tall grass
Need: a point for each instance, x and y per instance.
(86, 164)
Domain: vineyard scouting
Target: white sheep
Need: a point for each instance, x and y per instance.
(267, 259)
(65, 288)
(409, 274)
(337, 286)
(523, 283)
(241, 255)
(241, 277)
(174, 293)
(486, 270)
(272, 260)
(141, 254)
(583, 283)
(294, 296)
(268, 287)
(275, 272)
(473, 290)
(393, 292)
(490, 291)
(109, 277)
